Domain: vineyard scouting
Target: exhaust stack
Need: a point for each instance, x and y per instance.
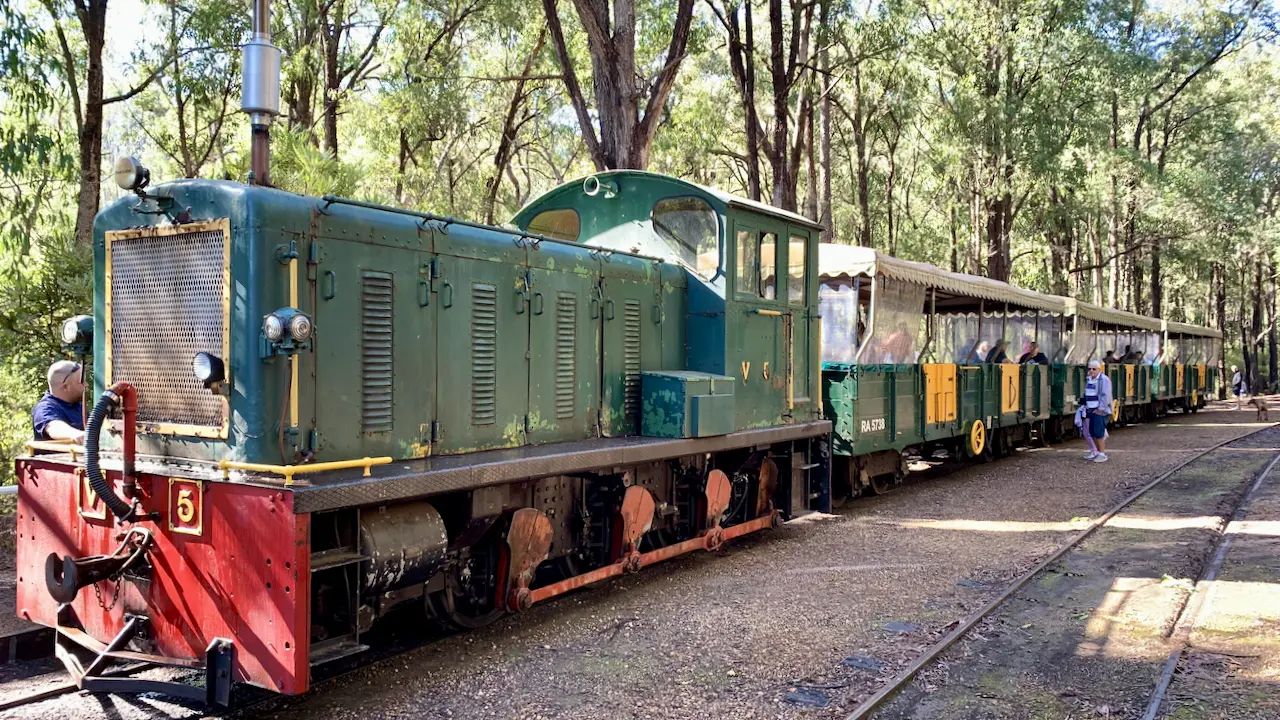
(260, 91)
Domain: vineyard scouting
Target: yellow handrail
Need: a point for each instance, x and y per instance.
(59, 446)
(288, 471)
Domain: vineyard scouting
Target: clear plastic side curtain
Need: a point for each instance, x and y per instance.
(1082, 340)
(838, 305)
(955, 337)
(897, 331)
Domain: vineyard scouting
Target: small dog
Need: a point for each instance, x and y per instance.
(1260, 403)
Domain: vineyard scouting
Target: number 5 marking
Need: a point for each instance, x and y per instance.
(186, 508)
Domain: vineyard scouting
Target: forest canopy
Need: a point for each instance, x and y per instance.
(1121, 151)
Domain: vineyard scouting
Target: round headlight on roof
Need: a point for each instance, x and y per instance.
(273, 327)
(70, 328)
(300, 327)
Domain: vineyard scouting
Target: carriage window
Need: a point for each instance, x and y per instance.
(795, 270)
(692, 229)
(769, 266)
(748, 276)
(560, 224)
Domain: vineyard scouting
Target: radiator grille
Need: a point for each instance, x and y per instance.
(631, 358)
(166, 304)
(484, 354)
(377, 341)
(566, 355)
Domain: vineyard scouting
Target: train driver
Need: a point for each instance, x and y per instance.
(59, 415)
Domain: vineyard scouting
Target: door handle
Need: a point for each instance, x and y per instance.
(610, 310)
(522, 297)
(595, 308)
(424, 293)
(538, 304)
(332, 290)
(446, 294)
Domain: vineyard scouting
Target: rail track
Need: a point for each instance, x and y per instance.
(1181, 632)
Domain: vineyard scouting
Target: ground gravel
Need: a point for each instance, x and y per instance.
(762, 629)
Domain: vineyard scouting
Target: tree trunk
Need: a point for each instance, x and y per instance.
(824, 62)
(1219, 278)
(1255, 337)
(783, 187)
(626, 137)
(510, 125)
(331, 20)
(1272, 361)
(92, 15)
(864, 166)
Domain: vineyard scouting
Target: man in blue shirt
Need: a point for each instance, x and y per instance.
(59, 415)
(1097, 403)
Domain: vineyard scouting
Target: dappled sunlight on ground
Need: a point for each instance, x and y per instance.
(1133, 619)
(999, 526)
(1261, 528)
(1206, 522)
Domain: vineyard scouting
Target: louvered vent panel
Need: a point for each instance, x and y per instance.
(566, 355)
(484, 354)
(631, 358)
(155, 280)
(376, 349)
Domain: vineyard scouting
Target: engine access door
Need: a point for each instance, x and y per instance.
(631, 309)
(564, 342)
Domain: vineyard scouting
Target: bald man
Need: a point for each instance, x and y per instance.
(59, 415)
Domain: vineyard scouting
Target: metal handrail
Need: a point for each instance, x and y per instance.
(60, 446)
(288, 471)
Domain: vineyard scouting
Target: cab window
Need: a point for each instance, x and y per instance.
(748, 275)
(561, 224)
(768, 266)
(692, 229)
(796, 256)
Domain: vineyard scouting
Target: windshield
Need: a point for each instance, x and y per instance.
(692, 229)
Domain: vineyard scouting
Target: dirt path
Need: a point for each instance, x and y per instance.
(784, 625)
(1091, 634)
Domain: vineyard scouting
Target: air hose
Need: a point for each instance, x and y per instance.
(119, 507)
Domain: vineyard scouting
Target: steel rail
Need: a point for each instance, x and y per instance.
(901, 679)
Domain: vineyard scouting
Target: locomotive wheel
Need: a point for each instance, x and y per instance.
(881, 484)
(456, 616)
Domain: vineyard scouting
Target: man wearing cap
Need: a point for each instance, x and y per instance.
(1097, 403)
(59, 414)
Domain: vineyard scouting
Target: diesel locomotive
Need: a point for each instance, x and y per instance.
(312, 410)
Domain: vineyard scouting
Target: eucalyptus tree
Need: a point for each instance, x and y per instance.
(626, 134)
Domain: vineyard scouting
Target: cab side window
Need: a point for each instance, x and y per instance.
(796, 257)
(692, 228)
(768, 266)
(748, 275)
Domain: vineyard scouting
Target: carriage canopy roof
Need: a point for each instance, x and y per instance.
(1188, 329)
(837, 261)
(1110, 316)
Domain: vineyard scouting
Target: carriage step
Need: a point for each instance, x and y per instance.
(335, 649)
(337, 557)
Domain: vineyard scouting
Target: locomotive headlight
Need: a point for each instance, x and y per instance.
(286, 331)
(273, 327)
(208, 368)
(77, 334)
(300, 328)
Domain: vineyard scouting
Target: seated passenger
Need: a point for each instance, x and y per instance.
(1033, 355)
(998, 353)
(1110, 357)
(980, 351)
(1130, 356)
